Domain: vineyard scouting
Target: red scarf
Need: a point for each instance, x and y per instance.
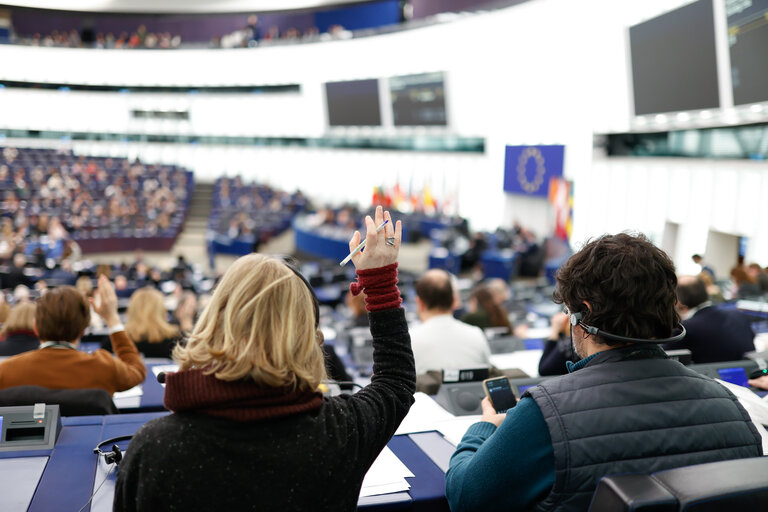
(241, 400)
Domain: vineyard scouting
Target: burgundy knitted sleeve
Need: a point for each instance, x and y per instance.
(379, 286)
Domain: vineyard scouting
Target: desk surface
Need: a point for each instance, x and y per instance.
(68, 479)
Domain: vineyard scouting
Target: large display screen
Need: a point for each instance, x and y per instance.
(418, 100)
(748, 43)
(354, 103)
(674, 66)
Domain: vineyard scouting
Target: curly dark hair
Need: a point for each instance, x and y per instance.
(629, 283)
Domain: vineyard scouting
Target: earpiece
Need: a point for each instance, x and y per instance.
(575, 319)
(116, 455)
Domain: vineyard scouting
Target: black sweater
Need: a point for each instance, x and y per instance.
(312, 461)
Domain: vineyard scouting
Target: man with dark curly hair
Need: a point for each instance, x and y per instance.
(624, 407)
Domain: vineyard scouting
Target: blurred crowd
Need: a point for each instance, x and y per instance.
(140, 38)
(48, 197)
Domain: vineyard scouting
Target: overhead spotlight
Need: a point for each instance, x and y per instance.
(660, 119)
(705, 114)
(683, 117)
(757, 108)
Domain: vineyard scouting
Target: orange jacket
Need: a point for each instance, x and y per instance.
(62, 368)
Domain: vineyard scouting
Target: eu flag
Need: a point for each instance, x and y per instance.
(528, 169)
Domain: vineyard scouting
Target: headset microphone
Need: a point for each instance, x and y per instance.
(576, 320)
(116, 455)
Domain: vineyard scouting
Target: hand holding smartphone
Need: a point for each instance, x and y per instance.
(499, 392)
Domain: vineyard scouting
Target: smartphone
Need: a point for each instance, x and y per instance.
(499, 392)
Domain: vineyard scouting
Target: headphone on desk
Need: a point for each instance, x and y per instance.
(575, 319)
(116, 455)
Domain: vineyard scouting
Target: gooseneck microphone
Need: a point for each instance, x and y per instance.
(576, 320)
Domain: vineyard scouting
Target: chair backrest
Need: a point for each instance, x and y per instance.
(740, 484)
(72, 402)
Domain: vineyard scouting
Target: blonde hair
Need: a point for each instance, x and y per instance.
(147, 317)
(260, 324)
(21, 318)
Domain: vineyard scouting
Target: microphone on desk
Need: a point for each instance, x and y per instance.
(161, 377)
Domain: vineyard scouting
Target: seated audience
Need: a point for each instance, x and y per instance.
(61, 317)
(483, 310)
(19, 330)
(441, 341)
(623, 408)
(558, 348)
(147, 324)
(249, 427)
(712, 334)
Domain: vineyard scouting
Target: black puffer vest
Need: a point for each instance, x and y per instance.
(632, 410)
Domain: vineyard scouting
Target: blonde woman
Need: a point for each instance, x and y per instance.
(250, 431)
(147, 324)
(19, 330)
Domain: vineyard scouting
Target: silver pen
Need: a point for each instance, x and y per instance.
(361, 245)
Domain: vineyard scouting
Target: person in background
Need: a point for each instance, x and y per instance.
(758, 275)
(249, 425)
(483, 311)
(16, 275)
(558, 348)
(705, 267)
(714, 291)
(712, 334)
(745, 286)
(147, 324)
(19, 330)
(441, 341)
(61, 318)
(623, 408)
(185, 313)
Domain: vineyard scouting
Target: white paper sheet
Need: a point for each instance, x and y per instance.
(424, 414)
(386, 475)
(756, 407)
(453, 430)
(128, 399)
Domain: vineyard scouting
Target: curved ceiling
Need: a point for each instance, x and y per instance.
(177, 6)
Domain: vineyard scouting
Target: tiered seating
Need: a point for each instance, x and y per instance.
(105, 204)
(245, 216)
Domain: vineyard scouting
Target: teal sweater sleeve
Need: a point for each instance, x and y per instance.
(509, 468)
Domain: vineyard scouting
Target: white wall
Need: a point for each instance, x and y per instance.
(543, 72)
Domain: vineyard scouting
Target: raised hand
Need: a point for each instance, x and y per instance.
(104, 302)
(377, 252)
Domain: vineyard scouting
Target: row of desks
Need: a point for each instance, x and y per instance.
(67, 476)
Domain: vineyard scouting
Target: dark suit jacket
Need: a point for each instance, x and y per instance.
(715, 335)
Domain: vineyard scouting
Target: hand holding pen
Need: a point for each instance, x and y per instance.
(378, 252)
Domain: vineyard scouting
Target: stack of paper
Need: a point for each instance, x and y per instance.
(386, 475)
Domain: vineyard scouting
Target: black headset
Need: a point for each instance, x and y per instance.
(576, 320)
(116, 455)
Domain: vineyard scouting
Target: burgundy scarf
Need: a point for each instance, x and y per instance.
(241, 400)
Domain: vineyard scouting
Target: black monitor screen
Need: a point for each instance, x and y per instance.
(418, 100)
(748, 43)
(353, 103)
(673, 61)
